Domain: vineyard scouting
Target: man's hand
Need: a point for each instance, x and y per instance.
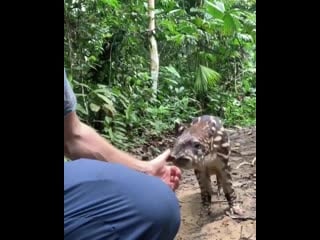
(171, 175)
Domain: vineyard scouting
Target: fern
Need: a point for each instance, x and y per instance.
(206, 79)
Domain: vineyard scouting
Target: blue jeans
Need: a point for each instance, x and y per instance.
(110, 201)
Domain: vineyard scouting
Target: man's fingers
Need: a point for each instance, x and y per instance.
(176, 172)
(176, 184)
(163, 156)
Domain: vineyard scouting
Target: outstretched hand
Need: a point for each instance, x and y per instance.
(171, 175)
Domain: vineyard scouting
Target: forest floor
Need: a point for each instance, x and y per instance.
(218, 226)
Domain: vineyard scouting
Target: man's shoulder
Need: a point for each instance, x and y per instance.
(69, 96)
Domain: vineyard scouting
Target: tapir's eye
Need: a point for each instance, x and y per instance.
(197, 145)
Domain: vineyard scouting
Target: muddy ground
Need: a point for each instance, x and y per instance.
(218, 226)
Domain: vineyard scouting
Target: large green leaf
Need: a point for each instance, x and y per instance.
(215, 9)
(229, 24)
(206, 78)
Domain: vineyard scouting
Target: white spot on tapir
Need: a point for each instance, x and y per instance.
(217, 138)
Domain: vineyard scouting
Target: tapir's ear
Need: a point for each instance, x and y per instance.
(214, 123)
(178, 129)
(212, 129)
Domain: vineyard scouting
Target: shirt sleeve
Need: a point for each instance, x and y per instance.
(70, 100)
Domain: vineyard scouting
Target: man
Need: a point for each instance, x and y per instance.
(108, 194)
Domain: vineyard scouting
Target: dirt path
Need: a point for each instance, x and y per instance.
(218, 226)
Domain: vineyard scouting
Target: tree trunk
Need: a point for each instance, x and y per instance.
(154, 57)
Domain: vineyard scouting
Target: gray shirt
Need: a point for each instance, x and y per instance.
(70, 100)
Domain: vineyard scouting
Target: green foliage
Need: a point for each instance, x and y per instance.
(207, 64)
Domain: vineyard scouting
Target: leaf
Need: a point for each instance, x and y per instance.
(253, 34)
(110, 133)
(216, 9)
(120, 136)
(174, 11)
(205, 79)
(78, 84)
(208, 57)
(186, 27)
(158, 11)
(176, 38)
(229, 24)
(195, 10)
(112, 3)
(120, 123)
(210, 75)
(245, 37)
(81, 109)
(171, 26)
(105, 99)
(200, 85)
(109, 109)
(124, 101)
(94, 107)
(220, 6)
(173, 71)
(198, 21)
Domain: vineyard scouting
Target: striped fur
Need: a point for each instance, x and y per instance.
(205, 147)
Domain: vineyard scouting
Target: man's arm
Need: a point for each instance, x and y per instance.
(82, 141)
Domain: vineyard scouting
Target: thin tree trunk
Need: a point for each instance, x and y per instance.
(154, 56)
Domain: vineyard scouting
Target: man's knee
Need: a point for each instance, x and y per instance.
(166, 219)
(159, 207)
(138, 206)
